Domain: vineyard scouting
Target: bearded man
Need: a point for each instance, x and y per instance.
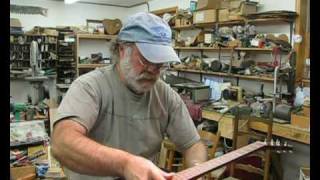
(112, 120)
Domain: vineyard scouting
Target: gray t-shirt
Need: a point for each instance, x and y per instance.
(118, 118)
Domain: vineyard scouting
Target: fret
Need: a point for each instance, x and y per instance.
(213, 164)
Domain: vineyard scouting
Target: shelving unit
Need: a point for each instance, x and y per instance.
(222, 49)
(222, 74)
(20, 50)
(84, 68)
(66, 71)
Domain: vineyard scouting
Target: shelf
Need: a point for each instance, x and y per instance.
(184, 27)
(232, 22)
(96, 36)
(217, 49)
(261, 78)
(90, 66)
(254, 49)
(40, 35)
(269, 20)
(235, 22)
(305, 80)
(200, 48)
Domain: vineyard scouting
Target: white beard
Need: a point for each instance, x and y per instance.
(132, 78)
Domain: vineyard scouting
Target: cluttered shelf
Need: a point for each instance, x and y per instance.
(262, 78)
(227, 49)
(235, 22)
(287, 131)
(91, 65)
(96, 36)
(269, 20)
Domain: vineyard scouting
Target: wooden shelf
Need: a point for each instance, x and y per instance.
(40, 35)
(96, 36)
(260, 78)
(269, 20)
(232, 22)
(217, 49)
(184, 27)
(200, 48)
(90, 66)
(305, 80)
(283, 130)
(236, 22)
(253, 49)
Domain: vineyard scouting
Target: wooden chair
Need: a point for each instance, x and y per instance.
(211, 141)
(170, 155)
(252, 135)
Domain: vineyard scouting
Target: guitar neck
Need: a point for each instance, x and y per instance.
(199, 170)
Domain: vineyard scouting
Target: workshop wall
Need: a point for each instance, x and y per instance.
(60, 14)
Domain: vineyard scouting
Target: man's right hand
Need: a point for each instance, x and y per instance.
(138, 168)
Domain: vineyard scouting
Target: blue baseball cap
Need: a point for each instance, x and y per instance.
(152, 36)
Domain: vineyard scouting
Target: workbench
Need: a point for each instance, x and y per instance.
(287, 131)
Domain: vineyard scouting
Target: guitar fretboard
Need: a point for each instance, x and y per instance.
(197, 171)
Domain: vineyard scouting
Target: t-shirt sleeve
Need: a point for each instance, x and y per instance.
(181, 129)
(81, 104)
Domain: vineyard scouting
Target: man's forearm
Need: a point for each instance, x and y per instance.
(83, 155)
(196, 154)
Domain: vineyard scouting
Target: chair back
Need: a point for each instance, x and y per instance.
(211, 140)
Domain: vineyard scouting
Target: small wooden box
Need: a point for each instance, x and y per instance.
(223, 15)
(306, 111)
(300, 121)
(205, 16)
(20, 172)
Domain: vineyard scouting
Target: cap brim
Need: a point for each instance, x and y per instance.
(156, 53)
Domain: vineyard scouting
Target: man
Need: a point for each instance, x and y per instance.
(112, 120)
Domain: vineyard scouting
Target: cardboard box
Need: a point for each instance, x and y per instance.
(208, 4)
(235, 17)
(223, 15)
(248, 8)
(240, 7)
(225, 4)
(300, 121)
(177, 22)
(235, 4)
(15, 23)
(205, 16)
